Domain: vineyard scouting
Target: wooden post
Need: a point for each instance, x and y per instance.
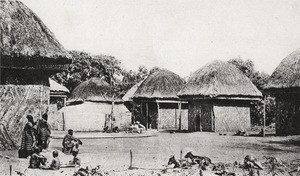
(147, 114)
(10, 170)
(175, 119)
(130, 166)
(179, 116)
(132, 113)
(65, 101)
(180, 158)
(64, 122)
(41, 100)
(264, 117)
(112, 114)
(141, 108)
(158, 117)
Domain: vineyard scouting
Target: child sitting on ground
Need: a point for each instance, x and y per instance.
(55, 164)
(36, 159)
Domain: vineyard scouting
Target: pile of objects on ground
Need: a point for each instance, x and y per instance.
(201, 165)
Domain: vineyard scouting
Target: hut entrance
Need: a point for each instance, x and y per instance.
(197, 122)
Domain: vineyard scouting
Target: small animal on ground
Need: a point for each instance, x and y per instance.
(181, 163)
(201, 160)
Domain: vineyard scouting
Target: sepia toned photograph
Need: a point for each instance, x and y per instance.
(149, 88)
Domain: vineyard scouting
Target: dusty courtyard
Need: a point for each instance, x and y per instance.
(151, 154)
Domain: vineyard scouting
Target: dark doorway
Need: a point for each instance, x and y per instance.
(197, 122)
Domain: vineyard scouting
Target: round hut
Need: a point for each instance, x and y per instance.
(29, 54)
(219, 96)
(92, 107)
(284, 85)
(157, 103)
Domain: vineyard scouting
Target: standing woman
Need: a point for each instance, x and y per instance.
(43, 132)
(28, 138)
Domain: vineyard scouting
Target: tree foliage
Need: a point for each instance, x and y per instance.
(259, 79)
(85, 66)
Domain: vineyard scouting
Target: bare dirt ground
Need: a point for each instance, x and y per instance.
(151, 154)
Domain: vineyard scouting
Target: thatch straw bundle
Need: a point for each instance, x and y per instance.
(287, 74)
(162, 84)
(94, 89)
(25, 40)
(219, 79)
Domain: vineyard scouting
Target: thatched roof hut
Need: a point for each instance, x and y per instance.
(94, 89)
(25, 41)
(219, 97)
(287, 74)
(29, 54)
(219, 80)
(93, 100)
(162, 84)
(284, 85)
(156, 104)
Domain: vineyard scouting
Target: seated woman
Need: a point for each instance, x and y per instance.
(70, 142)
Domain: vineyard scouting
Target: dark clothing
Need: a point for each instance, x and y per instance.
(27, 139)
(43, 133)
(36, 161)
(70, 142)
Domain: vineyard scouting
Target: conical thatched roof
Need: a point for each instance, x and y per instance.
(162, 84)
(219, 79)
(55, 87)
(94, 89)
(287, 74)
(25, 41)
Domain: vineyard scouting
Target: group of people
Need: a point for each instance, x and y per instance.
(38, 161)
(35, 138)
(35, 134)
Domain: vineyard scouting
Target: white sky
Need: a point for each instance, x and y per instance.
(179, 35)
